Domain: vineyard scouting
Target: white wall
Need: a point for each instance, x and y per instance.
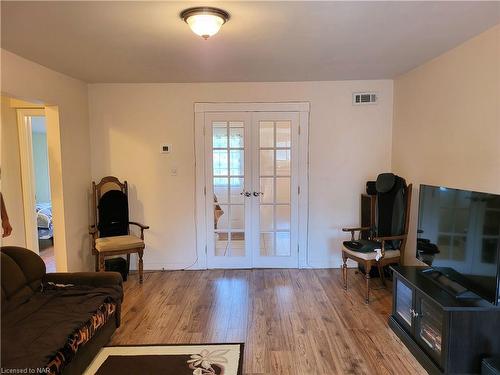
(446, 121)
(128, 122)
(41, 166)
(11, 175)
(446, 132)
(26, 80)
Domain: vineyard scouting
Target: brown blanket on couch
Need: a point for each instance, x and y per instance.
(36, 329)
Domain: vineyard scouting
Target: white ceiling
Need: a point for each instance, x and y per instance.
(123, 41)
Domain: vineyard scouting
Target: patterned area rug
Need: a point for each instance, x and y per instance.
(200, 359)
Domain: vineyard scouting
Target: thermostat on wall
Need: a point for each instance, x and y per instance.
(166, 148)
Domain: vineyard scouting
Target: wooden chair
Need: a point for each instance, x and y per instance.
(114, 238)
(375, 240)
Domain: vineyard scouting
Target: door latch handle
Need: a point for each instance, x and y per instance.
(257, 193)
(415, 314)
(246, 193)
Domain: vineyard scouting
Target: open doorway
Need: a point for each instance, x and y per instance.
(43, 201)
(35, 177)
(31, 179)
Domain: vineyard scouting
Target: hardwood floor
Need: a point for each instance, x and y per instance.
(47, 255)
(293, 322)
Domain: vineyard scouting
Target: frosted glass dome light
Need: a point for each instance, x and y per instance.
(205, 21)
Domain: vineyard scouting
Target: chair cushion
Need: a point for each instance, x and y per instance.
(365, 246)
(118, 243)
(371, 255)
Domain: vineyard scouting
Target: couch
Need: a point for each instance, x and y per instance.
(54, 322)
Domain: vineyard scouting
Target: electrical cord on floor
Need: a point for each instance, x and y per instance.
(170, 269)
(192, 264)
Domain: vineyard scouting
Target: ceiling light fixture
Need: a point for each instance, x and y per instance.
(205, 21)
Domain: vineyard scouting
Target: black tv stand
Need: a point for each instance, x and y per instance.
(448, 334)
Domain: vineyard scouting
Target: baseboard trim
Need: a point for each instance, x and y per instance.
(150, 266)
(183, 266)
(159, 266)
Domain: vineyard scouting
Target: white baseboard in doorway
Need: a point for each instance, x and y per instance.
(158, 266)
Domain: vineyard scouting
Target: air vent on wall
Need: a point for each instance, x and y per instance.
(360, 98)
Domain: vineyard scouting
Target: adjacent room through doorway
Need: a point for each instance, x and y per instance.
(35, 183)
(43, 207)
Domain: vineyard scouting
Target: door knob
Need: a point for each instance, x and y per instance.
(246, 193)
(415, 314)
(257, 193)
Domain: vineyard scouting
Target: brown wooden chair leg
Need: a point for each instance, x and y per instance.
(344, 270)
(141, 252)
(96, 259)
(368, 268)
(381, 273)
(101, 263)
(128, 263)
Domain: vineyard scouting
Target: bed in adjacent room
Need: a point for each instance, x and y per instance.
(44, 221)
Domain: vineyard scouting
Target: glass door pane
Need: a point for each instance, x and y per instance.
(228, 184)
(404, 300)
(274, 148)
(429, 327)
(228, 210)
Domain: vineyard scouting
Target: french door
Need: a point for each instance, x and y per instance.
(228, 186)
(251, 189)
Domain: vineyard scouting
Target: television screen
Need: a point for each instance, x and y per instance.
(459, 235)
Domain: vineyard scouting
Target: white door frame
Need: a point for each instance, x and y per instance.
(200, 109)
(28, 174)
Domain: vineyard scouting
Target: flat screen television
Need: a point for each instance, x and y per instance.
(459, 238)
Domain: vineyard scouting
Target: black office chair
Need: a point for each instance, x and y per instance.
(386, 240)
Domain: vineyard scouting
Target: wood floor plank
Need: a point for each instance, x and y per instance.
(293, 322)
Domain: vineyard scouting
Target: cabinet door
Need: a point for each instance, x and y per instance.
(403, 305)
(429, 327)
